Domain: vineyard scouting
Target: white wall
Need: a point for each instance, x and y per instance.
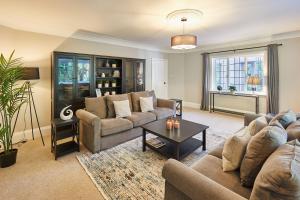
(36, 50)
(176, 75)
(289, 64)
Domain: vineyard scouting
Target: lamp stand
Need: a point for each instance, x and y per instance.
(31, 104)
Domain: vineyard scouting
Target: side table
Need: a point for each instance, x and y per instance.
(178, 106)
(62, 130)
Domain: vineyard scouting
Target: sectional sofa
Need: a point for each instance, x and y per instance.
(279, 178)
(100, 129)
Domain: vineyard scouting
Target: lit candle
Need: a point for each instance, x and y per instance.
(169, 124)
(176, 124)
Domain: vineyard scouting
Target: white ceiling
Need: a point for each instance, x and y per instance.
(144, 21)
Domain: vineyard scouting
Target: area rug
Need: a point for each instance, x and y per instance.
(126, 172)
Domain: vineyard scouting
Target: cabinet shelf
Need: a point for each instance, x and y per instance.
(108, 77)
(108, 68)
(109, 88)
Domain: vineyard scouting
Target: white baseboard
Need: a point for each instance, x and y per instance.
(190, 104)
(236, 110)
(19, 136)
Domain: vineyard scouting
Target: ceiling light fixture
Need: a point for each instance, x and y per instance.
(184, 41)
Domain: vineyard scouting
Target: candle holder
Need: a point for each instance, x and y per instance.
(176, 124)
(169, 124)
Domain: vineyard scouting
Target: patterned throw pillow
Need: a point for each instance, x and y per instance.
(285, 118)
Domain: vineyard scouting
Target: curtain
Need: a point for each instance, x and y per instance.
(273, 79)
(205, 82)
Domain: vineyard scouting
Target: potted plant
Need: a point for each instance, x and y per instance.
(113, 83)
(12, 96)
(99, 83)
(106, 84)
(232, 89)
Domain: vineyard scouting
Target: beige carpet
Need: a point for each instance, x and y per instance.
(38, 176)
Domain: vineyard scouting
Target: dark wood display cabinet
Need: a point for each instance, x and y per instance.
(72, 80)
(76, 76)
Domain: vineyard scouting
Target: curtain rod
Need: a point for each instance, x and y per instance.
(242, 49)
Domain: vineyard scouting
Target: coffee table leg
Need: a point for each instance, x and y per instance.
(177, 151)
(144, 140)
(204, 140)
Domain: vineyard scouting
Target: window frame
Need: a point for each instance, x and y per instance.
(246, 55)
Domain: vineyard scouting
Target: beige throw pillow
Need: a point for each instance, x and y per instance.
(279, 177)
(258, 150)
(256, 125)
(293, 130)
(234, 150)
(122, 108)
(146, 104)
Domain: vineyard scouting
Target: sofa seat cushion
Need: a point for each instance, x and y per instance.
(211, 167)
(111, 126)
(140, 118)
(162, 113)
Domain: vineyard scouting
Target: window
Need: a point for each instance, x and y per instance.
(245, 72)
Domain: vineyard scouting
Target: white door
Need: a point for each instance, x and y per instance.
(160, 77)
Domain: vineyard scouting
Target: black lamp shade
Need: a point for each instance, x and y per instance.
(31, 73)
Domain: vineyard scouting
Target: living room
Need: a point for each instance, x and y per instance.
(202, 81)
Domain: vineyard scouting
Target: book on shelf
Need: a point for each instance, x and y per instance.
(155, 142)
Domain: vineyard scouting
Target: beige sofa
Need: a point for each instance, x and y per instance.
(206, 180)
(100, 129)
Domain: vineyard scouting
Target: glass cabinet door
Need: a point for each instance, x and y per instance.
(129, 85)
(139, 76)
(65, 80)
(84, 68)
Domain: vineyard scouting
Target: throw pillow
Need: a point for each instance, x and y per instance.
(285, 118)
(146, 104)
(97, 106)
(234, 150)
(279, 177)
(258, 150)
(293, 130)
(122, 108)
(110, 106)
(256, 125)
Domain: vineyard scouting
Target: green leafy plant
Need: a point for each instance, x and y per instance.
(12, 96)
(232, 88)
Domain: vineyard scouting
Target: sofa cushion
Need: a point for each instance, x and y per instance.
(110, 106)
(279, 177)
(114, 125)
(162, 113)
(234, 150)
(211, 167)
(217, 150)
(139, 118)
(258, 150)
(122, 108)
(285, 118)
(146, 104)
(135, 96)
(152, 94)
(97, 106)
(256, 125)
(293, 130)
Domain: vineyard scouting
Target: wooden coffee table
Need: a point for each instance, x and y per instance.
(179, 143)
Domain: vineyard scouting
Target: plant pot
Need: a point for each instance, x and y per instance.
(9, 159)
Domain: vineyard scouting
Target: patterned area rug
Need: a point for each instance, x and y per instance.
(126, 172)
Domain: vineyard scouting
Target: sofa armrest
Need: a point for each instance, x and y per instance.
(195, 185)
(166, 103)
(90, 130)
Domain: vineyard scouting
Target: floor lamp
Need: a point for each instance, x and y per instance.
(30, 73)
